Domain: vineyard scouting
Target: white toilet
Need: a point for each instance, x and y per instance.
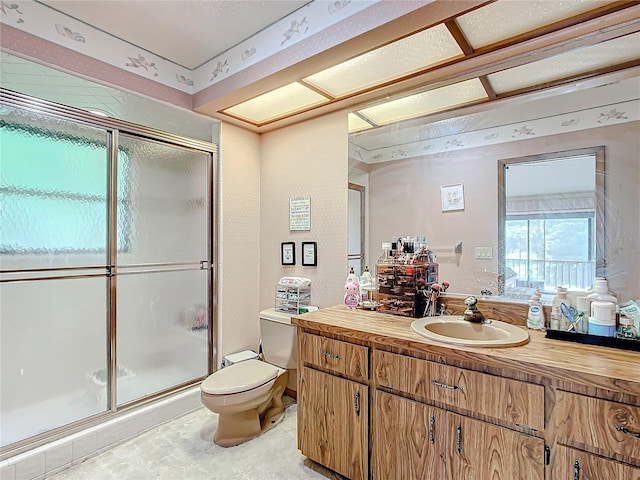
(248, 395)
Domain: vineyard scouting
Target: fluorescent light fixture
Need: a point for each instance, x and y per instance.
(568, 64)
(508, 18)
(424, 103)
(403, 57)
(288, 100)
(357, 124)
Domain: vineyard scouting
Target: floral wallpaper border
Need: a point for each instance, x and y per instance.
(622, 112)
(41, 21)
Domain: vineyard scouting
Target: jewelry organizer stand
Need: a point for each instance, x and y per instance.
(290, 298)
(401, 286)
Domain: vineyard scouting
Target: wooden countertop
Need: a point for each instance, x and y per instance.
(601, 367)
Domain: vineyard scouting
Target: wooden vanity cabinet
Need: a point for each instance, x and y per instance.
(412, 439)
(595, 435)
(572, 464)
(375, 404)
(333, 411)
(408, 439)
(479, 450)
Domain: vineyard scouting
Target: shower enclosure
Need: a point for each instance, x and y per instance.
(106, 266)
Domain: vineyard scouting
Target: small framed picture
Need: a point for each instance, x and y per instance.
(452, 197)
(309, 254)
(288, 253)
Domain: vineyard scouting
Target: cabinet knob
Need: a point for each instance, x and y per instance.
(459, 439)
(356, 403)
(576, 470)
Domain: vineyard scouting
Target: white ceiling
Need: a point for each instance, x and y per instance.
(188, 33)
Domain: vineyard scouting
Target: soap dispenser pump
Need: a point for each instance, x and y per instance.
(535, 317)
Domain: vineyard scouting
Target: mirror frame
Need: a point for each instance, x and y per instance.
(600, 188)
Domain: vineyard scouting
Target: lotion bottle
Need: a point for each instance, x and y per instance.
(535, 317)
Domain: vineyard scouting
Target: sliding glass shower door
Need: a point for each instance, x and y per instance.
(162, 300)
(106, 266)
(53, 257)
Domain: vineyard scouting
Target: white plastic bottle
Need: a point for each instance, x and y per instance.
(601, 293)
(535, 317)
(366, 284)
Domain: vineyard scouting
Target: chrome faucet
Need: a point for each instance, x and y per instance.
(472, 314)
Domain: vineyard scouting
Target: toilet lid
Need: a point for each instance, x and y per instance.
(239, 377)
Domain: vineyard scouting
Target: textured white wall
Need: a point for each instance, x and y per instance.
(239, 252)
(308, 158)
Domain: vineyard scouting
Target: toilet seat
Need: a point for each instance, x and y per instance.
(239, 377)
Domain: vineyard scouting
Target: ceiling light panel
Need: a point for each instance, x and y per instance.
(507, 18)
(279, 103)
(357, 124)
(566, 65)
(426, 102)
(409, 55)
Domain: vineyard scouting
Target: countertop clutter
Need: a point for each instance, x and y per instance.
(549, 409)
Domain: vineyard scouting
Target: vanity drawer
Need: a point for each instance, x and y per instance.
(335, 356)
(504, 399)
(601, 426)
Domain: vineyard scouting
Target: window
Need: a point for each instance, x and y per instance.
(546, 252)
(53, 191)
(551, 221)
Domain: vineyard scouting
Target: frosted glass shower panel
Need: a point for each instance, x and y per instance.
(162, 334)
(53, 191)
(53, 354)
(166, 212)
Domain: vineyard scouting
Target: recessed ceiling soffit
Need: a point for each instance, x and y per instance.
(501, 49)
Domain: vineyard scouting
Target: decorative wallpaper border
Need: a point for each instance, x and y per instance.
(601, 116)
(41, 21)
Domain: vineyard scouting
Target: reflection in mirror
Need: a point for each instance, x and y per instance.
(550, 222)
(356, 232)
(405, 164)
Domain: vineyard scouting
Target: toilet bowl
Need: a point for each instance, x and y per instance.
(247, 396)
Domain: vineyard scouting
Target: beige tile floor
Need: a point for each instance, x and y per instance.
(183, 450)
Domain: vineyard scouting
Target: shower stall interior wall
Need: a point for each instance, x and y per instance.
(105, 268)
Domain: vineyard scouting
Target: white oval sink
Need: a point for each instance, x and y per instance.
(456, 330)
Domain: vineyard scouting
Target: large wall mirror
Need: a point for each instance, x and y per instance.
(551, 222)
(558, 146)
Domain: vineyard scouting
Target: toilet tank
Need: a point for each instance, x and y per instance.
(279, 345)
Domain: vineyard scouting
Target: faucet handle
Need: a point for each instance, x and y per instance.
(471, 302)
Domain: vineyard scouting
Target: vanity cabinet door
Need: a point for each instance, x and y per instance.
(482, 451)
(571, 464)
(409, 439)
(333, 422)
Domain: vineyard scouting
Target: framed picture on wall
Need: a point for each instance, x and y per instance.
(309, 254)
(452, 197)
(288, 253)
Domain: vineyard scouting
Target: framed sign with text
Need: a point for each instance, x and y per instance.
(300, 213)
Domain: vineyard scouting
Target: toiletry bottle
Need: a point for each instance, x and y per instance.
(351, 277)
(366, 283)
(601, 293)
(352, 291)
(535, 318)
(555, 318)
